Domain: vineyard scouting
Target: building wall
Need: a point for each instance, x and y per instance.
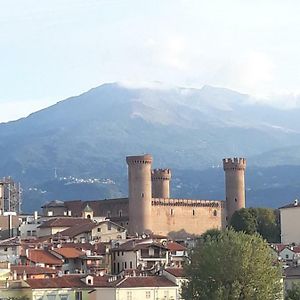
(123, 258)
(57, 293)
(141, 293)
(290, 222)
(181, 217)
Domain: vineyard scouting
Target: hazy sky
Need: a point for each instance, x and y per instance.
(53, 49)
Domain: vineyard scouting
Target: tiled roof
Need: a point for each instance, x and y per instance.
(32, 270)
(145, 281)
(58, 282)
(75, 281)
(69, 252)
(137, 244)
(173, 246)
(177, 272)
(98, 248)
(292, 272)
(65, 222)
(43, 256)
(278, 247)
(14, 241)
(77, 229)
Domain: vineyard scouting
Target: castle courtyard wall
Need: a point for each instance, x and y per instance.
(179, 218)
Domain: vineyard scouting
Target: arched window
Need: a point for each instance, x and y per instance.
(215, 213)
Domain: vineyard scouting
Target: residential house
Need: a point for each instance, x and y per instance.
(10, 250)
(138, 254)
(177, 254)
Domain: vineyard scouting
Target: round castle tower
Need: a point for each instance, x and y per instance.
(234, 184)
(161, 183)
(140, 193)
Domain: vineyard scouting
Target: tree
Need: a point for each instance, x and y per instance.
(244, 220)
(233, 265)
(293, 293)
(264, 221)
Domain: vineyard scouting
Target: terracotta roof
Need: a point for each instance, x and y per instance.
(68, 252)
(145, 281)
(32, 270)
(278, 247)
(43, 256)
(177, 272)
(173, 246)
(67, 281)
(98, 248)
(65, 222)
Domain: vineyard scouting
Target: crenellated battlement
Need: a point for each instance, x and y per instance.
(187, 202)
(236, 163)
(140, 159)
(161, 174)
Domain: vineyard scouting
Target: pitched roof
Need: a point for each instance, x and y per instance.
(294, 204)
(43, 256)
(70, 281)
(14, 241)
(145, 281)
(68, 252)
(177, 272)
(137, 244)
(32, 270)
(65, 222)
(77, 229)
(173, 246)
(292, 272)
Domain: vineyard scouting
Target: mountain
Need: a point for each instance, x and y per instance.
(188, 130)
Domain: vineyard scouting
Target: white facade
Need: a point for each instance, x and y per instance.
(290, 224)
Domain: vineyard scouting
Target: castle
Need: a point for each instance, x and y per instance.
(149, 208)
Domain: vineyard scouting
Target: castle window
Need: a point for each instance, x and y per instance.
(194, 212)
(88, 216)
(171, 212)
(215, 213)
(235, 199)
(143, 195)
(120, 213)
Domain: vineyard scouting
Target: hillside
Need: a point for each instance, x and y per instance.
(189, 130)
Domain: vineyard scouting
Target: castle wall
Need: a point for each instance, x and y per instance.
(179, 218)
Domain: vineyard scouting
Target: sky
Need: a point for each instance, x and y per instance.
(54, 49)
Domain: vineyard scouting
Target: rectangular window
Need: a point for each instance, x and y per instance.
(148, 294)
(129, 295)
(99, 229)
(108, 226)
(130, 264)
(64, 297)
(78, 295)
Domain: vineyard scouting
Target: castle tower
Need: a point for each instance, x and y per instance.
(234, 184)
(140, 193)
(161, 183)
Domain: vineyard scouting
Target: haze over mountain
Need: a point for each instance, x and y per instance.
(188, 130)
